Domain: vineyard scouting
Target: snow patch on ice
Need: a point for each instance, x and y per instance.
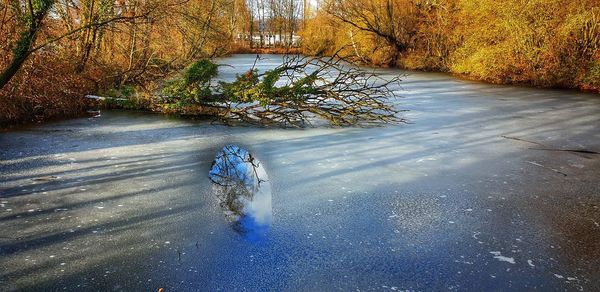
(498, 255)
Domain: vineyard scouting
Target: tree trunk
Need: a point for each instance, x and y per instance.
(24, 44)
(11, 70)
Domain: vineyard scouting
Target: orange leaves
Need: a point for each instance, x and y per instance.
(537, 42)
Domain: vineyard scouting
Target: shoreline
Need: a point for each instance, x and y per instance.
(294, 51)
(284, 51)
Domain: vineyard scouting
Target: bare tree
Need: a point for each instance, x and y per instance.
(394, 21)
(33, 20)
(35, 15)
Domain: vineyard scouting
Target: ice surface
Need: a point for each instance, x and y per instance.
(393, 191)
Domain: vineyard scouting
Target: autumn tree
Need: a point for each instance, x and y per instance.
(28, 19)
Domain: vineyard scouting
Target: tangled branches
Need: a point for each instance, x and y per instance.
(294, 94)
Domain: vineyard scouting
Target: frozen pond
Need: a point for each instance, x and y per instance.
(458, 199)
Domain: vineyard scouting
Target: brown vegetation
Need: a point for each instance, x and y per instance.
(46, 88)
(53, 52)
(535, 42)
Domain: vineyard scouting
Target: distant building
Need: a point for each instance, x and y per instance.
(270, 40)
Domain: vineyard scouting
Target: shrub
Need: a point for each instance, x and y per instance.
(195, 85)
(591, 80)
(45, 88)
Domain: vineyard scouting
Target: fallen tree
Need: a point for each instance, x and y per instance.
(295, 93)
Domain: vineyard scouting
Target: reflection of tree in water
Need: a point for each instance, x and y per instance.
(236, 176)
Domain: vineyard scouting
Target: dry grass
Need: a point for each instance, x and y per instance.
(44, 89)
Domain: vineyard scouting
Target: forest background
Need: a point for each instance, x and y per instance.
(54, 52)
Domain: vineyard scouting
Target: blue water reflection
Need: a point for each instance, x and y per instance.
(242, 187)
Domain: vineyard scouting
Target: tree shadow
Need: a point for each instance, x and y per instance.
(453, 158)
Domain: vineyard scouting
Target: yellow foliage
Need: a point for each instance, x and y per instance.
(537, 42)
